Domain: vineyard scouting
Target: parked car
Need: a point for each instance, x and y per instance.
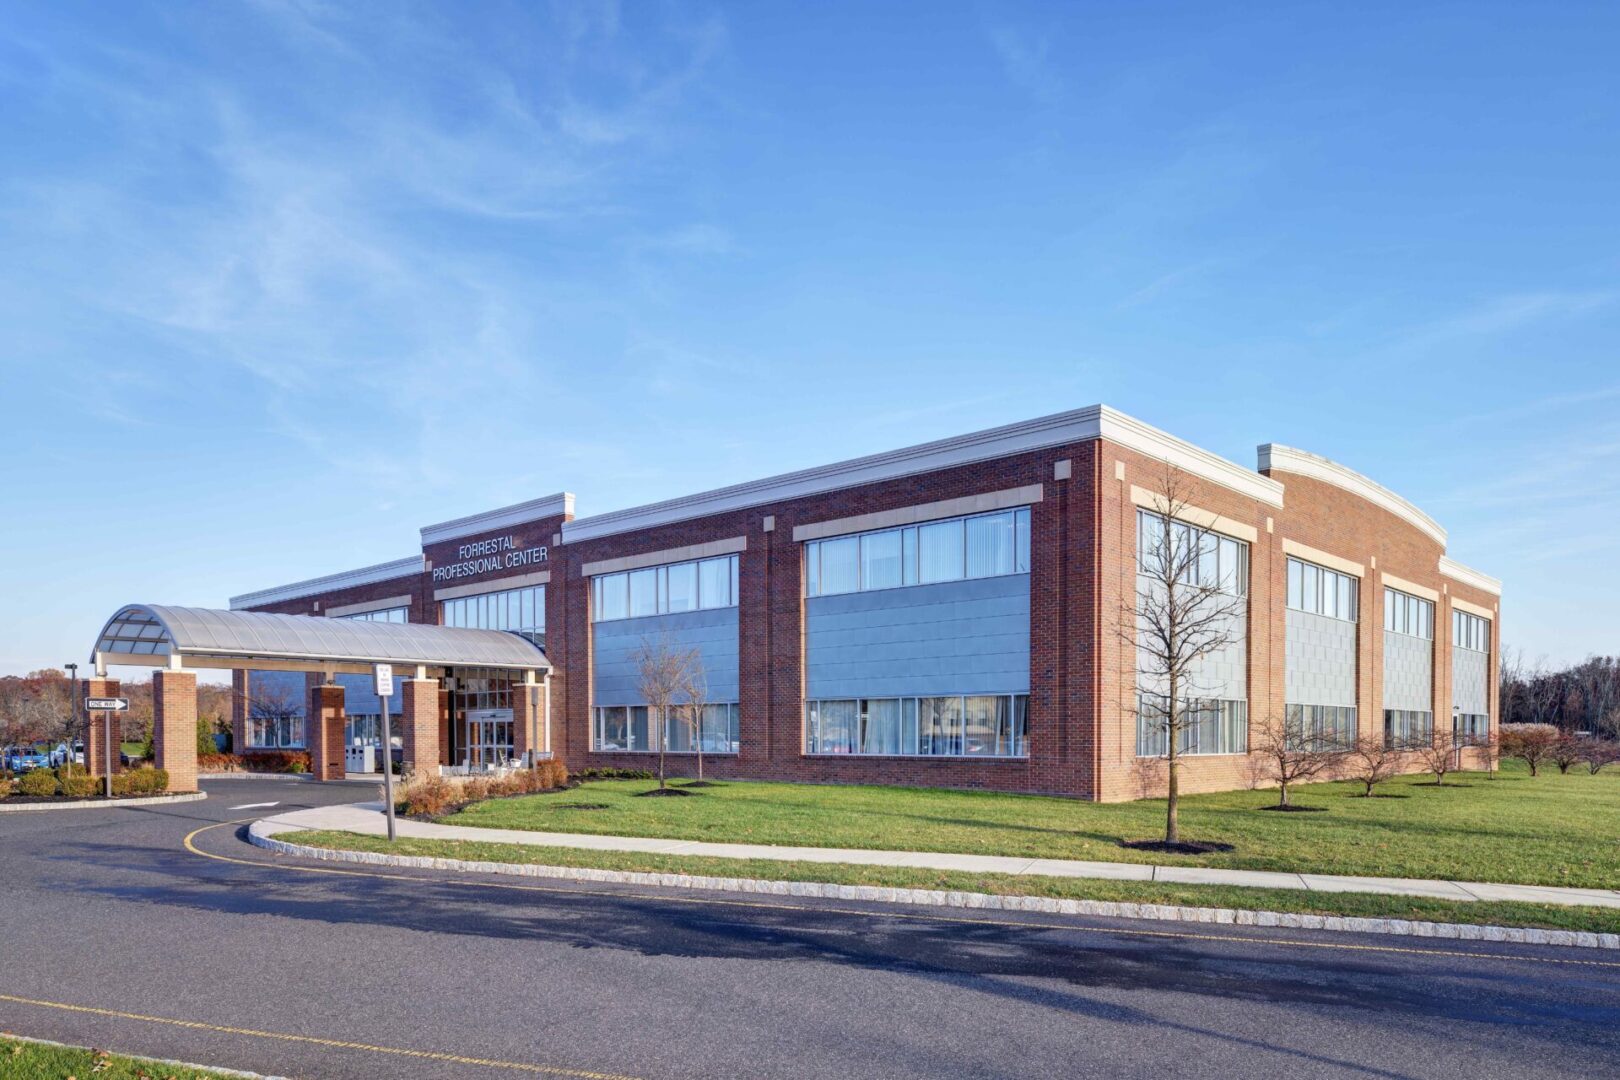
(24, 758)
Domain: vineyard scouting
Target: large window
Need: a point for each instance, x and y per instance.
(523, 610)
(985, 545)
(1321, 591)
(1208, 726)
(662, 590)
(1321, 727)
(1405, 728)
(632, 728)
(275, 732)
(393, 615)
(1220, 562)
(1470, 729)
(1408, 614)
(971, 725)
(1470, 631)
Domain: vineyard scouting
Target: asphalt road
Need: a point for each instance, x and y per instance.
(273, 965)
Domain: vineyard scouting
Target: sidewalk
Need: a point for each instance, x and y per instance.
(367, 818)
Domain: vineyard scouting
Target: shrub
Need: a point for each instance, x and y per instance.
(427, 794)
(205, 738)
(80, 786)
(1532, 742)
(276, 761)
(219, 763)
(614, 774)
(37, 783)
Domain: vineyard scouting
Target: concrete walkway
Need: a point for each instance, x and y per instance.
(367, 818)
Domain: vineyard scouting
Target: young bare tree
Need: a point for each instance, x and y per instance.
(1290, 754)
(1439, 757)
(1567, 752)
(694, 700)
(1371, 760)
(1533, 743)
(1187, 610)
(1600, 752)
(661, 676)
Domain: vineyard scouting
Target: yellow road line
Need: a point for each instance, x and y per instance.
(1178, 935)
(314, 1040)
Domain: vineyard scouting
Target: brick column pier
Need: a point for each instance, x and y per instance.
(419, 724)
(528, 718)
(96, 753)
(323, 731)
(174, 727)
(241, 687)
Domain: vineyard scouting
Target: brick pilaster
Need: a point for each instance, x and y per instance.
(96, 751)
(323, 731)
(419, 725)
(241, 687)
(174, 727)
(528, 718)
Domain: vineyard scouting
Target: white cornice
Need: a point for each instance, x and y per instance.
(1133, 434)
(1059, 429)
(331, 583)
(560, 504)
(1467, 575)
(1275, 457)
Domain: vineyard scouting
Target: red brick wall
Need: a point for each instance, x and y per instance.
(174, 727)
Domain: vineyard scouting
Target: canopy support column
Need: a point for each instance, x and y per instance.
(419, 726)
(174, 727)
(323, 731)
(97, 752)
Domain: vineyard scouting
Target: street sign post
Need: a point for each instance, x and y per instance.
(383, 676)
(106, 706)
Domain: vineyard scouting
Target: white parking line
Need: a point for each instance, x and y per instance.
(254, 805)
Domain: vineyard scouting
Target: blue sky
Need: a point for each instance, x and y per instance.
(281, 282)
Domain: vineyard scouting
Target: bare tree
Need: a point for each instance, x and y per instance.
(1600, 752)
(1567, 752)
(1597, 678)
(1371, 760)
(1187, 610)
(1439, 757)
(1291, 754)
(1531, 742)
(1541, 692)
(695, 699)
(661, 677)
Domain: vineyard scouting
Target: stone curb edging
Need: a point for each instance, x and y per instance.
(92, 804)
(216, 1069)
(1045, 905)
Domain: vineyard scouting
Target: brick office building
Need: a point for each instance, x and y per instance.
(946, 614)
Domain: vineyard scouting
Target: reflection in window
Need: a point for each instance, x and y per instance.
(984, 545)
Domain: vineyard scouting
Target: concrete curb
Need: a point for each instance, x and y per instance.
(1045, 905)
(217, 1070)
(286, 776)
(103, 804)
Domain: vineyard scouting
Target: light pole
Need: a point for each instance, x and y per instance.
(73, 712)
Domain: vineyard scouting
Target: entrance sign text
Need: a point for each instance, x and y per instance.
(484, 556)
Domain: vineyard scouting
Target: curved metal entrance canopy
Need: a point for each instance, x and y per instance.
(151, 635)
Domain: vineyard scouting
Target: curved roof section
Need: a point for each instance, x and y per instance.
(140, 632)
(1274, 457)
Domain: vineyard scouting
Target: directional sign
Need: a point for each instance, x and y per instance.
(106, 704)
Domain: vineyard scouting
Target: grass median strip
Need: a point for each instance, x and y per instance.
(20, 1058)
(1368, 905)
(1548, 830)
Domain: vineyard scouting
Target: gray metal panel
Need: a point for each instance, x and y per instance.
(1408, 672)
(954, 637)
(259, 634)
(1470, 680)
(614, 678)
(1320, 660)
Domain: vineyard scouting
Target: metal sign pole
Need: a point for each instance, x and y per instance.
(383, 676)
(106, 741)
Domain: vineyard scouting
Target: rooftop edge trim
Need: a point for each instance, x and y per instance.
(1078, 425)
(1467, 575)
(365, 575)
(1274, 457)
(560, 504)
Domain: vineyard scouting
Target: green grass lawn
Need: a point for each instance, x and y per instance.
(20, 1060)
(1368, 905)
(1547, 830)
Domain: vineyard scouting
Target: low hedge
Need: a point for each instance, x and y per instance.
(79, 786)
(270, 761)
(37, 783)
(141, 782)
(431, 795)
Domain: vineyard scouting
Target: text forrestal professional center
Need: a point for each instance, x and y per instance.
(946, 614)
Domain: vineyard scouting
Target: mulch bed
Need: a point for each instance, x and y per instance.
(582, 806)
(663, 791)
(1292, 808)
(1181, 847)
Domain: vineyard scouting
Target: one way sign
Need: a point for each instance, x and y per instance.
(106, 704)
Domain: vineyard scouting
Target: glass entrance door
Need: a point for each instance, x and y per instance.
(489, 736)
